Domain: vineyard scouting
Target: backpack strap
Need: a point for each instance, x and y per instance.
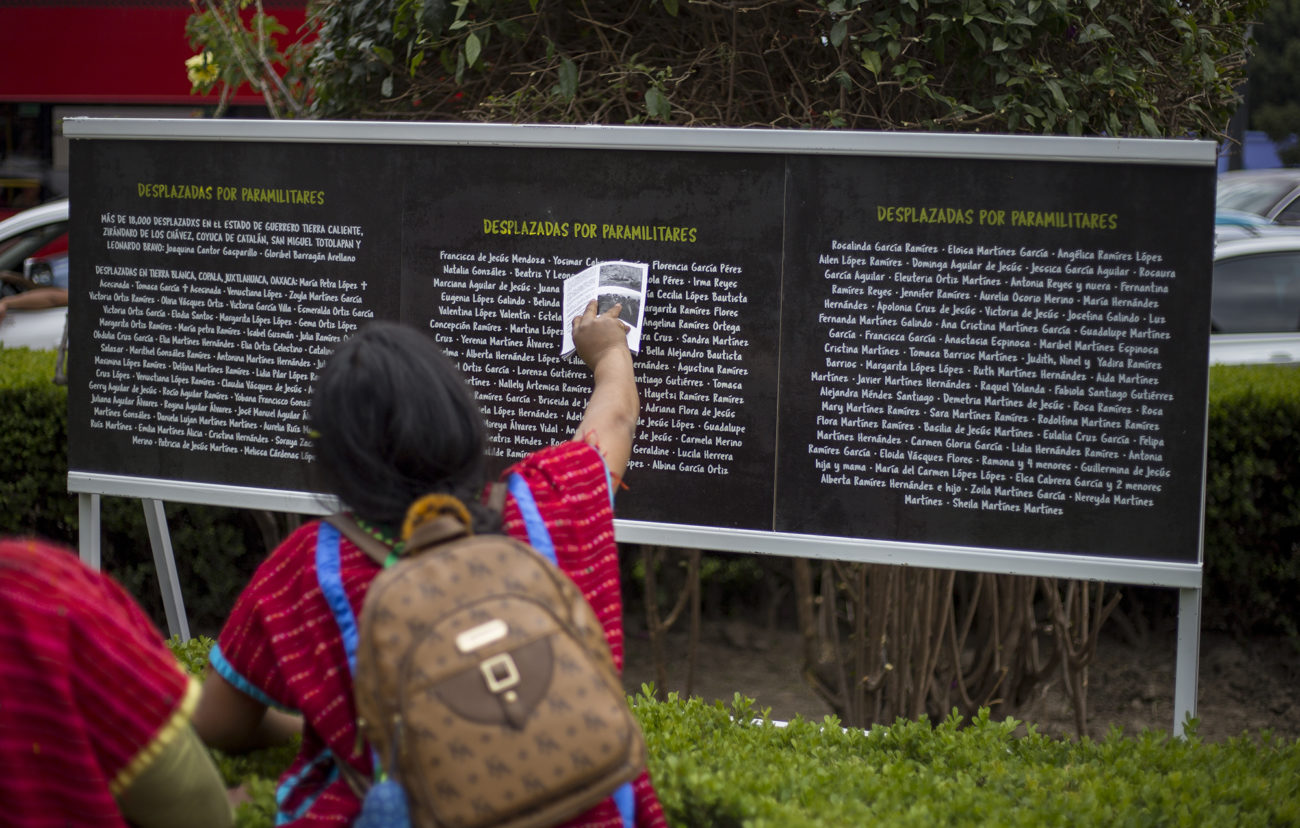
(329, 576)
(375, 549)
(539, 537)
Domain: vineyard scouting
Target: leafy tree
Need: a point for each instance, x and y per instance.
(1273, 72)
(1099, 67)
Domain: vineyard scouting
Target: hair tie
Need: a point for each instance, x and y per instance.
(431, 507)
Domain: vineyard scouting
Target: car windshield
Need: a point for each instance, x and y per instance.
(1251, 194)
(35, 242)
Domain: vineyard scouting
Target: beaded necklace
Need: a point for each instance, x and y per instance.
(382, 534)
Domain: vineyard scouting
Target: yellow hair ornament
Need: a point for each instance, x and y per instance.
(430, 508)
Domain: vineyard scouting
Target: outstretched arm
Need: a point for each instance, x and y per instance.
(35, 299)
(609, 422)
(229, 720)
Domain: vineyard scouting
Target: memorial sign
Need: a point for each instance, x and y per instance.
(953, 341)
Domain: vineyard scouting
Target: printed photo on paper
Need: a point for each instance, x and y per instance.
(609, 283)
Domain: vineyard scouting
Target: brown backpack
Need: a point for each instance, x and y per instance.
(483, 680)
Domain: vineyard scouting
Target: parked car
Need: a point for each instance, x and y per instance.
(1237, 224)
(1255, 307)
(33, 255)
(1273, 194)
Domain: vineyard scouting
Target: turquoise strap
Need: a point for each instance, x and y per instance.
(538, 535)
(217, 661)
(331, 586)
(288, 786)
(328, 573)
(625, 799)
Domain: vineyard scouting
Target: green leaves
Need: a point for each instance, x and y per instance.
(1116, 69)
(871, 60)
(473, 47)
(236, 46)
(33, 447)
(567, 87)
(1093, 32)
(657, 105)
(1252, 499)
(839, 31)
(717, 764)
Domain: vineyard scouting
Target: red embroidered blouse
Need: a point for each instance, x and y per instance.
(282, 646)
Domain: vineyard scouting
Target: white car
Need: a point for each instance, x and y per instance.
(1255, 309)
(33, 247)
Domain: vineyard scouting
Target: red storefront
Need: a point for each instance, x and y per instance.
(94, 57)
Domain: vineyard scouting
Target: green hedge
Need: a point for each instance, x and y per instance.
(713, 767)
(1252, 499)
(33, 447)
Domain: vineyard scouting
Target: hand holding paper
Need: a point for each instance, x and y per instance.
(608, 284)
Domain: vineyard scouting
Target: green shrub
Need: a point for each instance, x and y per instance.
(1252, 499)
(33, 448)
(1103, 67)
(713, 766)
(718, 765)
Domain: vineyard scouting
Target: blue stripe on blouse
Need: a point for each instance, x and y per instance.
(331, 585)
(288, 786)
(230, 674)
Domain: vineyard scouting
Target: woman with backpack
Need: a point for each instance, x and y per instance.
(394, 421)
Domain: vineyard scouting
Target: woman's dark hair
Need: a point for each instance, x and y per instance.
(394, 420)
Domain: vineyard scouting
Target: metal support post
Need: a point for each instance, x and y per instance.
(1187, 665)
(88, 533)
(165, 564)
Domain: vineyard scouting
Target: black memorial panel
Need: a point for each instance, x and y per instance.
(209, 282)
(494, 234)
(1008, 354)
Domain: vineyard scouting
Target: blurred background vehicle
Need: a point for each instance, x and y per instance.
(1273, 194)
(34, 257)
(1255, 305)
(1232, 223)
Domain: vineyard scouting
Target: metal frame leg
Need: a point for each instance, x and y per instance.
(1188, 658)
(88, 533)
(165, 564)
